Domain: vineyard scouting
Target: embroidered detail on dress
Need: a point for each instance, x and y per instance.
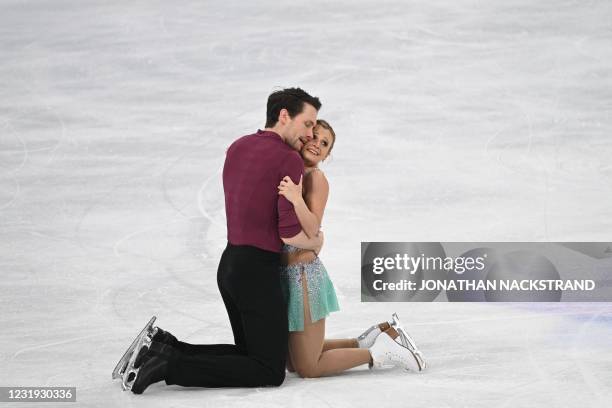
(321, 293)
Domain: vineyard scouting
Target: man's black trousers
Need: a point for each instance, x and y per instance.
(249, 281)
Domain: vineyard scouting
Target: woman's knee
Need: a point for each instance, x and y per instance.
(308, 371)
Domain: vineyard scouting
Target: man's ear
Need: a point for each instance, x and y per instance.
(283, 116)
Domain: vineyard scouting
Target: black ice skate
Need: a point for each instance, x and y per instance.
(127, 360)
(150, 366)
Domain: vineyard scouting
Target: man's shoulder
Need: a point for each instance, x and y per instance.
(241, 145)
(292, 159)
(260, 138)
(244, 139)
(277, 150)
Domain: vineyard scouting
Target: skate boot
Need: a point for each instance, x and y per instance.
(150, 366)
(154, 370)
(368, 337)
(387, 352)
(163, 336)
(408, 341)
(146, 334)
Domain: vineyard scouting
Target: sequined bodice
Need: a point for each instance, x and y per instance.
(289, 248)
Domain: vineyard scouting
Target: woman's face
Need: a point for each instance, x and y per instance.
(317, 149)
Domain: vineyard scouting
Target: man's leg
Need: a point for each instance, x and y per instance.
(210, 349)
(213, 349)
(235, 320)
(250, 285)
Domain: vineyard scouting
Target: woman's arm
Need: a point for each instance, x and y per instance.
(309, 208)
(302, 241)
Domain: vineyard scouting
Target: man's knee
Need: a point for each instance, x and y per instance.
(277, 377)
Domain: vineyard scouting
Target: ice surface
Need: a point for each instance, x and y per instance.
(456, 121)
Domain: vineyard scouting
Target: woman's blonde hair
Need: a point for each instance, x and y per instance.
(326, 125)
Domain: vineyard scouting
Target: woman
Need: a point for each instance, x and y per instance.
(310, 293)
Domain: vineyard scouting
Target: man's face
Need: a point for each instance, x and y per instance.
(298, 131)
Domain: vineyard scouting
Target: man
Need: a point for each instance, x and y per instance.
(259, 221)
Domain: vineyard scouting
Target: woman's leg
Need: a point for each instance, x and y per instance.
(330, 344)
(290, 364)
(349, 343)
(306, 350)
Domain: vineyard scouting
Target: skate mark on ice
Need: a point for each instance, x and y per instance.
(164, 173)
(25, 155)
(201, 195)
(62, 135)
(165, 189)
(149, 228)
(579, 48)
(15, 194)
(535, 316)
(24, 151)
(57, 343)
(96, 203)
(543, 376)
(302, 393)
(590, 380)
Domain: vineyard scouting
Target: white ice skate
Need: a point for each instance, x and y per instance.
(367, 338)
(125, 366)
(386, 352)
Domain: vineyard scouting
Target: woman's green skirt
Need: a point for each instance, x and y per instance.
(321, 294)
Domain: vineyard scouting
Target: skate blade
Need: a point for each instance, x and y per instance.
(408, 342)
(131, 373)
(127, 382)
(124, 360)
(421, 361)
(405, 338)
(418, 358)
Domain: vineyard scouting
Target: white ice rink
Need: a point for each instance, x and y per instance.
(456, 121)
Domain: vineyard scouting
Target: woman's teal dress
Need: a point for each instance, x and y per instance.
(321, 294)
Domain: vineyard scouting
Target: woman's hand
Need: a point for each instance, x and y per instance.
(291, 191)
(321, 239)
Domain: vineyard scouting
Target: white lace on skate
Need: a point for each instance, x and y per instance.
(368, 337)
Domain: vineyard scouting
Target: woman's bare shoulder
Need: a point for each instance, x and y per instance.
(317, 178)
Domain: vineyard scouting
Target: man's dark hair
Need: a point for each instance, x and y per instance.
(292, 99)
